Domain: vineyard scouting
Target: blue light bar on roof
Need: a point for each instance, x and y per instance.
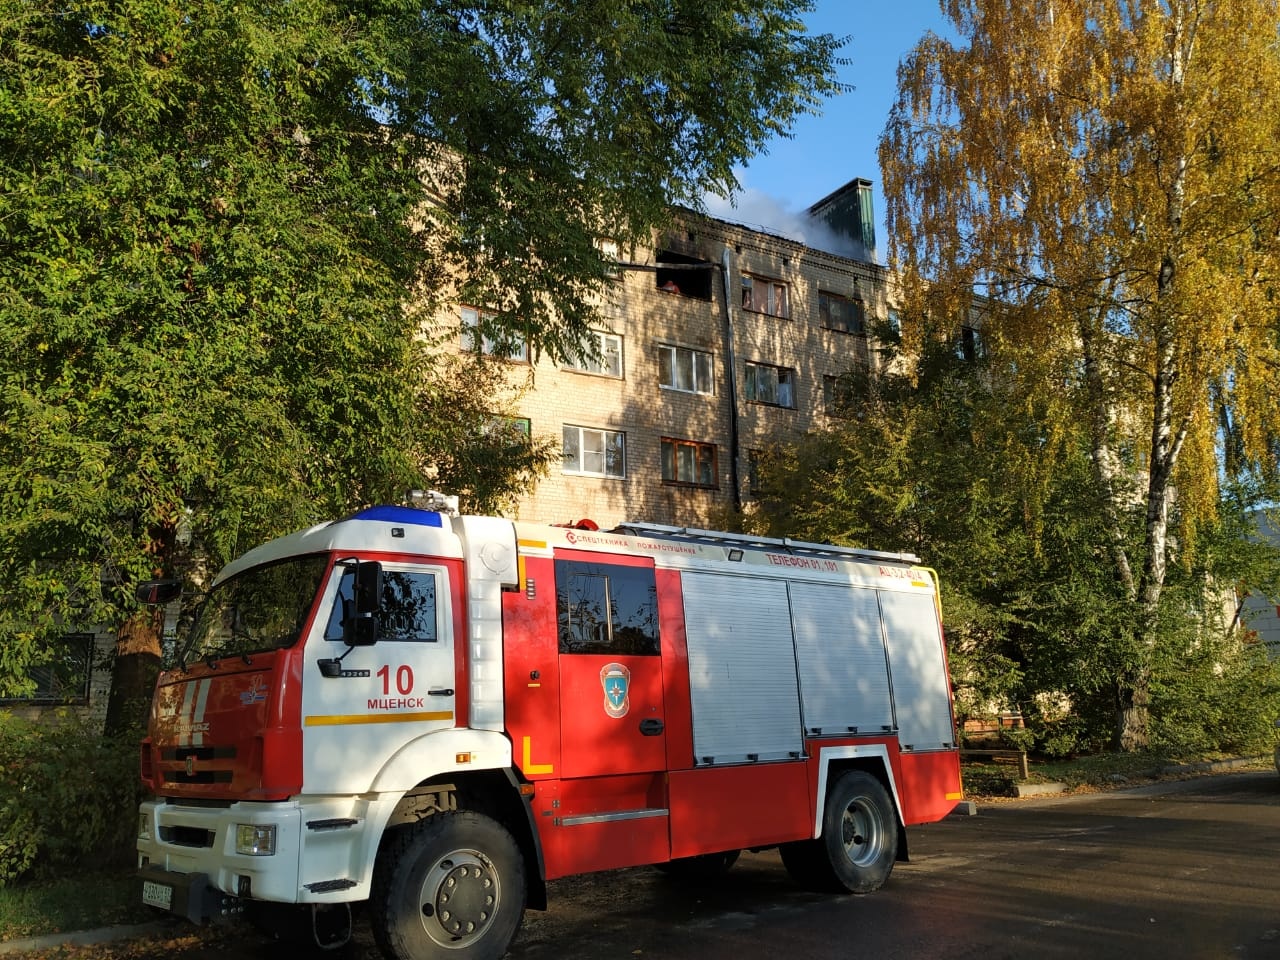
(405, 515)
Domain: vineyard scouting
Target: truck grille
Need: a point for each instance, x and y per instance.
(191, 764)
(187, 836)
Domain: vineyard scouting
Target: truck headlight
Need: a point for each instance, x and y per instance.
(144, 827)
(256, 839)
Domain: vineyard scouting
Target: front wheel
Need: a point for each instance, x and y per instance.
(452, 885)
(859, 841)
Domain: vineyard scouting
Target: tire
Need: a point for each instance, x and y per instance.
(452, 885)
(704, 868)
(859, 841)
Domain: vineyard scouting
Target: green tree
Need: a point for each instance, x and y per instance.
(1104, 172)
(222, 226)
(955, 461)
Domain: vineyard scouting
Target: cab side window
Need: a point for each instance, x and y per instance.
(408, 607)
(606, 608)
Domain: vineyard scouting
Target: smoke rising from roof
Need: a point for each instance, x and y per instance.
(757, 210)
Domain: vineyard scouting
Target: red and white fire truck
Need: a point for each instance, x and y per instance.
(436, 714)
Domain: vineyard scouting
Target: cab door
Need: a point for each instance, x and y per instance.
(380, 697)
(611, 704)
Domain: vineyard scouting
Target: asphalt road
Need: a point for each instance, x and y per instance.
(1176, 870)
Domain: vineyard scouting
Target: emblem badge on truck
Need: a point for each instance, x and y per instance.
(256, 693)
(615, 678)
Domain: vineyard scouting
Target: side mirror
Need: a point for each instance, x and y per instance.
(153, 592)
(360, 629)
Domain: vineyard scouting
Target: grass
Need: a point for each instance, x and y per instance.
(1097, 772)
(82, 901)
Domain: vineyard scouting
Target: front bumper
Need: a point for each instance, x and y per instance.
(324, 853)
(185, 895)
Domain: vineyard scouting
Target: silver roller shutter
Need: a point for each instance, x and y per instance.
(920, 690)
(742, 669)
(844, 679)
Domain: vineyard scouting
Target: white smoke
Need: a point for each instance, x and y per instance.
(757, 210)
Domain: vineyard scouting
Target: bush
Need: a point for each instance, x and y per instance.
(1220, 696)
(67, 796)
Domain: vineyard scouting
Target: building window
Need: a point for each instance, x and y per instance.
(66, 678)
(970, 346)
(687, 276)
(765, 296)
(680, 368)
(508, 346)
(608, 250)
(772, 385)
(754, 459)
(841, 313)
(608, 359)
(688, 462)
(595, 453)
(513, 431)
(838, 395)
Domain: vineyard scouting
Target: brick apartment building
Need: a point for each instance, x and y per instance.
(719, 340)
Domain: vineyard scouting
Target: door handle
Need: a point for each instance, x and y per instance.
(440, 692)
(651, 727)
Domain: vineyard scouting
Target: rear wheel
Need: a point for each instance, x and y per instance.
(859, 841)
(452, 885)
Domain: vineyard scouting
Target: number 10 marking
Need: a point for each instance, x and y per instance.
(404, 679)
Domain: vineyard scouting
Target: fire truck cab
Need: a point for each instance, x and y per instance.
(437, 714)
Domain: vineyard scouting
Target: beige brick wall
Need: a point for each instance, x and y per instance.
(645, 412)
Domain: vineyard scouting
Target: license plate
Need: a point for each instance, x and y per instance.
(157, 894)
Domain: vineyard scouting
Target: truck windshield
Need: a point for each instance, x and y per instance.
(264, 608)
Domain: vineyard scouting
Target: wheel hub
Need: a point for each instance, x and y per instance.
(460, 898)
(860, 833)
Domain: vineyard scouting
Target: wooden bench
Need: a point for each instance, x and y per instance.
(1024, 770)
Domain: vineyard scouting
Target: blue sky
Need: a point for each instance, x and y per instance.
(828, 151)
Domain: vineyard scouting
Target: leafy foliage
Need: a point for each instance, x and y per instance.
(66, 793)
(222, 226)
(1099, 169)
(953, 461)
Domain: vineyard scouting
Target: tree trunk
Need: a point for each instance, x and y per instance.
(1133, 712)
(134, 672)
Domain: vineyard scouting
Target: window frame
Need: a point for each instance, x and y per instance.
(344, 578)
(50, 691)
(605, 433)
(750, 384)
(669, 366)
(469, 327)
(857, 325)
(837, 395)
(699, 447)
(634, 580)
(610, 253)
(683, 275)
(582, 366)
(777, 299)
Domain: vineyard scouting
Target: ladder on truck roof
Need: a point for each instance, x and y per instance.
(662, 531)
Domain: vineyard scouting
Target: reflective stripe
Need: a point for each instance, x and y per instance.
(338, 720)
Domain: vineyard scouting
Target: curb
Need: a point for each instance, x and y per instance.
(82, 938)
(1038, 789)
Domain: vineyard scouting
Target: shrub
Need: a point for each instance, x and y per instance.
(1218, 696)
(67, 795)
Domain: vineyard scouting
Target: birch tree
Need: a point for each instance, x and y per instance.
(1107, 172)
